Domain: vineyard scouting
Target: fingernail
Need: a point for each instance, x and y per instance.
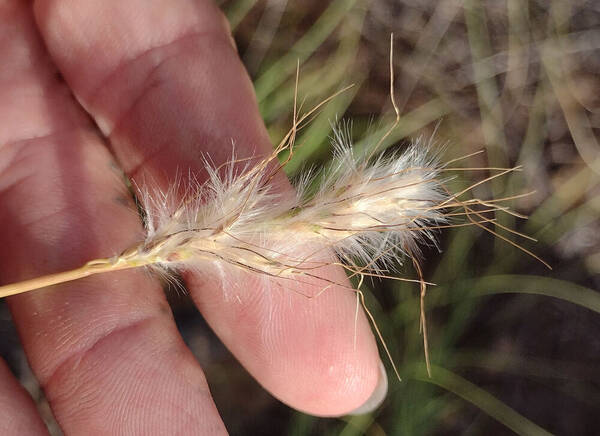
(377, 396)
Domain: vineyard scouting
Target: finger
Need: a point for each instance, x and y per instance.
(164, 82)
(105, 349)
(18, 415)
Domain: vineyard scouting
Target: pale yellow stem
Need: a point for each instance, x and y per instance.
(96, 266)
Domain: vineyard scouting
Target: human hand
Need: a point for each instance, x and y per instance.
(162, 81)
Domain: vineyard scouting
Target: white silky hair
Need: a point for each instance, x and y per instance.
(370, 211)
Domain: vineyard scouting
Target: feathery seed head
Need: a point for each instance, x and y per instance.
(367, 212)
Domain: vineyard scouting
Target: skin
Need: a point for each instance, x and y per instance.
(90, 89)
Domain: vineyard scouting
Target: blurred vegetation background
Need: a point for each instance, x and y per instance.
(515, 347)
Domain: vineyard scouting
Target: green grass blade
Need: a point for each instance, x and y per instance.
(285, 66)
(483, 400)
(536, 285)
(236, 13)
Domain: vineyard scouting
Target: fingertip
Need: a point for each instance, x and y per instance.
(348, 394)
(353, 384)
(377, 396)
